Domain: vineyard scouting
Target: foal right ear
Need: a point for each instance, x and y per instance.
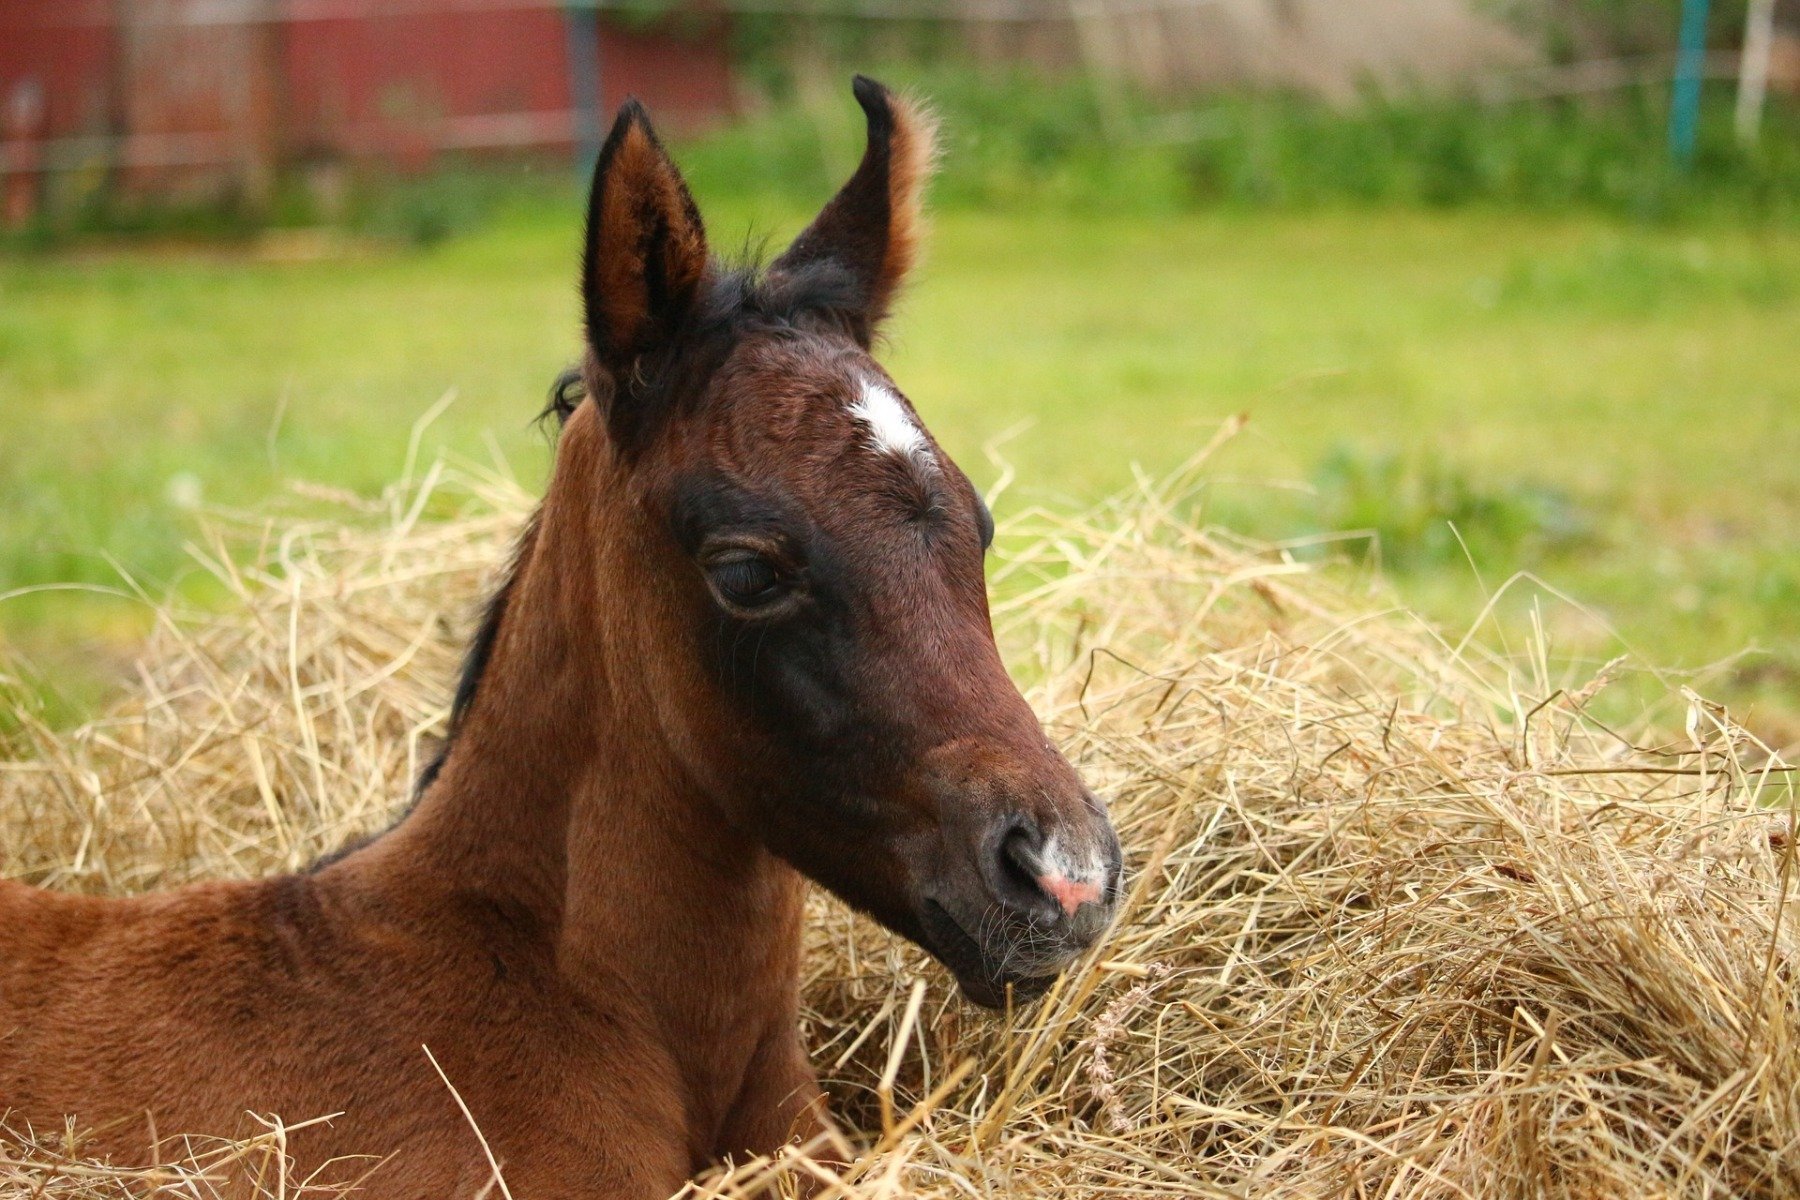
(645, 253)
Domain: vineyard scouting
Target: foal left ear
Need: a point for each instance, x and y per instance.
(872, 227)
(645, 253)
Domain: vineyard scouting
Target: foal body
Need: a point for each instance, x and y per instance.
(605, 970)
(745, 640)
(591, 954)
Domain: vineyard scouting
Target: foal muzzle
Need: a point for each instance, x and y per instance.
(1033, 903)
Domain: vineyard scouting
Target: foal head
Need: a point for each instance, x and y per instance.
(798, 569)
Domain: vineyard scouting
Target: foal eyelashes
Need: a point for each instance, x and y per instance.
(746, 580)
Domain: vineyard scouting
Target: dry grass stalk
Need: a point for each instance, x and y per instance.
(54, 1166)
(1405, 923)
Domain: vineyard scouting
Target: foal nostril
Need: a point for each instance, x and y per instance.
(1017, 865)
(1029, 874)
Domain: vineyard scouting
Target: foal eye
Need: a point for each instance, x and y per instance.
(745, 581)
(984, 522)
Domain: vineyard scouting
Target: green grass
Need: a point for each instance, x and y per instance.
(1016, 140)
(1612, 406)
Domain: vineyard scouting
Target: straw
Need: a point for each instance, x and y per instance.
(1405, 921)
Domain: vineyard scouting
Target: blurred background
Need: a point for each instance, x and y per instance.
(1508, 289)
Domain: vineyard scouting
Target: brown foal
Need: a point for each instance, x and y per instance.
(745, 643)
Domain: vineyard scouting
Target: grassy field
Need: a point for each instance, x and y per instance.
(1611, 406)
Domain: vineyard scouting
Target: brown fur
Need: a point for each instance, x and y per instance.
(592, 915)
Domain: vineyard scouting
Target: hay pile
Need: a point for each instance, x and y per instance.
(1406, 922)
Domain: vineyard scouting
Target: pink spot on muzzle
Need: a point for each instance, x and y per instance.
(1070, 893)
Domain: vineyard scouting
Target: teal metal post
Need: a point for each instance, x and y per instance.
(581, 19)
(1690, 68)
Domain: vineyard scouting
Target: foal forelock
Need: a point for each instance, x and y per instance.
(740, 300)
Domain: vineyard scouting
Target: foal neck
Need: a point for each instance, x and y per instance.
(563, 800)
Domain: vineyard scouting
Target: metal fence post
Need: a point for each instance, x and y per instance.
(582, 20)
(1690, 68)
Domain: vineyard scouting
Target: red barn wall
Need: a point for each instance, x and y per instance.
(71, 60)
(401, 86)
(166, 96)
(686, 82)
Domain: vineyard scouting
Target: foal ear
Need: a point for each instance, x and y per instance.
(645, 253)
(871, 228)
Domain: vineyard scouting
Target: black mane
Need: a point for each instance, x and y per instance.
(474, 664)
(481, 649)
